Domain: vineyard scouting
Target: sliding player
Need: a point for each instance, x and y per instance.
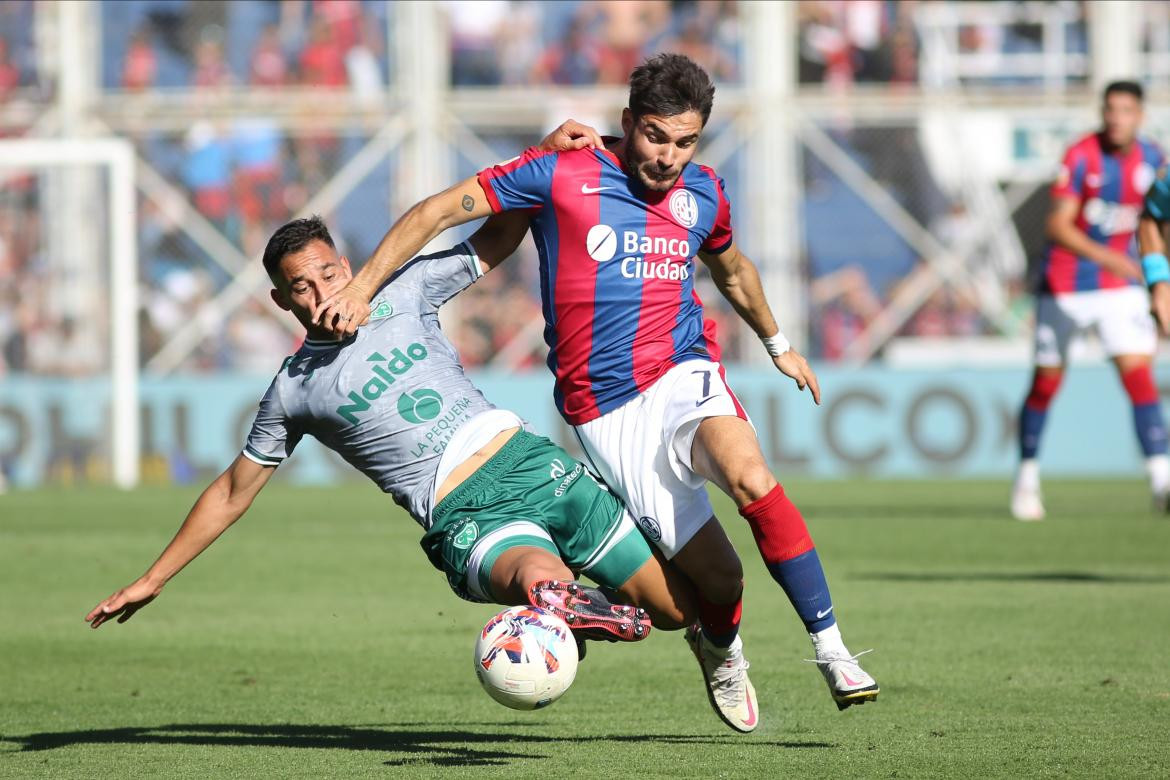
(1091, 281)
(636, 364)
(507, 514)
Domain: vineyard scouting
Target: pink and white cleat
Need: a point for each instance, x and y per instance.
(589, 613)
(728, 688)
(849, 684)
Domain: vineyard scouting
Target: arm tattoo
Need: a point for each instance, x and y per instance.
(468, 203)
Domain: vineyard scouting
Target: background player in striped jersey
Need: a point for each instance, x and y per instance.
(1091, 281)
(637, 365)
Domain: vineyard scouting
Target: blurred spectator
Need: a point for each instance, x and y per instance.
(843, 42)
(141, 65)
(519, 43)
(362, 63)
(696, 42)
(207, 173)
(627, 29)
(9, 72)
(572, 61)
(211, 69)
(269, 67)
(323, 60)
(843, 304)
(256, 148)
(474, 28)
(344, 19)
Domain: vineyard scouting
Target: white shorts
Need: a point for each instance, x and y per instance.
(643, 450)
(1121, 318)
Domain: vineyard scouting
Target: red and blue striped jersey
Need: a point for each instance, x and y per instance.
(617, 269)
(1110, 187)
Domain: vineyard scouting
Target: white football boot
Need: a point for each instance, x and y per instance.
(1027, 503)
(1158, 468)
(849, 684)
(728, 688)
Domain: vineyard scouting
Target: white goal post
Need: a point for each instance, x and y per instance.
(117, 157)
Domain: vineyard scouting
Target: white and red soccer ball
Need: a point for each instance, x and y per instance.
(525, 658)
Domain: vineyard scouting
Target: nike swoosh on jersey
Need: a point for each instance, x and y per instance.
(821, 614)
(587, 190)
(705, 400)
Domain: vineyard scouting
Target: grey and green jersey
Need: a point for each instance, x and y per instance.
(389, 398)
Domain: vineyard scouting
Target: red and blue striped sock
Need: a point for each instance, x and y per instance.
(791, 558)
(720, 622)
(1147, 409)
(1035, 411)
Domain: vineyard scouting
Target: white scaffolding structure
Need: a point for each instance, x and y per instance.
(767, 123)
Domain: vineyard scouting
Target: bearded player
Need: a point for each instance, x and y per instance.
(637, 365)
(1091, 281)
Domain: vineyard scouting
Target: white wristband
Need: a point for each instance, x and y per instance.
(776, 345)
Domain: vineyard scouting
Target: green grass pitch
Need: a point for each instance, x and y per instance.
(314, 640)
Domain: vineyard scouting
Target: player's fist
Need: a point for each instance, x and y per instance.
(569, 136)
(123, 603)
(343, 313)
(1160, 306)
(792, 364)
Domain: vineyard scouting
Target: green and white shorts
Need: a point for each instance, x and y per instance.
(532, 494)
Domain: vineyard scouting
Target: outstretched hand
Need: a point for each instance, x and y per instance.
(569, 136)
(344, 312)
(792, 364)
(123, 603)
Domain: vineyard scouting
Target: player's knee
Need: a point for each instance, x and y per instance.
(673, 617)
(723, 583)
(752, 482)
(512, 576)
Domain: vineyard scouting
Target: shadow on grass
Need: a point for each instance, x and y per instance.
(423, 743)
(1014, 576)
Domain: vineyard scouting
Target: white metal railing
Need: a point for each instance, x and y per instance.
(946, 63)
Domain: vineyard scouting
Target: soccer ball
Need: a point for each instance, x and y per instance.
(525, 658)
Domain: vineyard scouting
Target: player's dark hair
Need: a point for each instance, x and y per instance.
(1124, 88)
(670, 84)
(291, 238)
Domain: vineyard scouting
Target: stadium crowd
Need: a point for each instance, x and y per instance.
(248, 175)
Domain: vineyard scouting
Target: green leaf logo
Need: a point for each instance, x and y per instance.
(466, 536)
(380, 310)
(420, 406)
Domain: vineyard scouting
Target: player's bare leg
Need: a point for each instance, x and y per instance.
(660, 589)
(1027, 500)
(1137, 377)
(533, 575)
(726, 451)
